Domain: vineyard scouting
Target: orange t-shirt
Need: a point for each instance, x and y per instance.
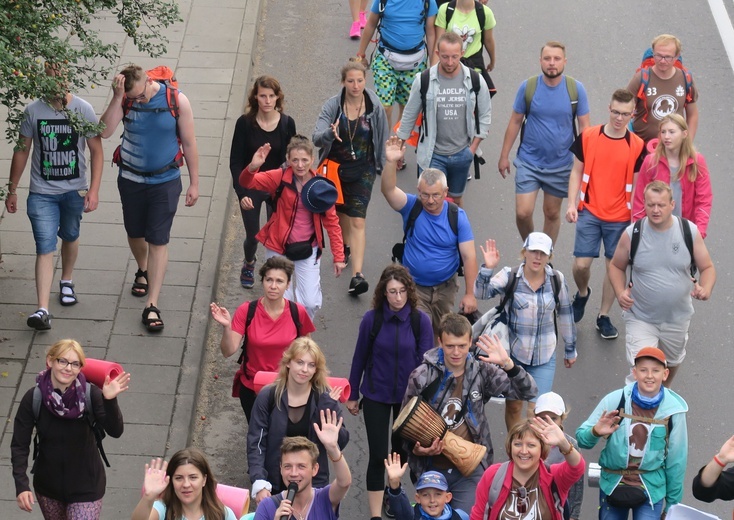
(607, 192)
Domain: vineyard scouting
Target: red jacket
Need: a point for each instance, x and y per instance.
(274, 234)
(563, 474)
(697, 196)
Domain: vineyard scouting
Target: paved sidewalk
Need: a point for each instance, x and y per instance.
(211, 54)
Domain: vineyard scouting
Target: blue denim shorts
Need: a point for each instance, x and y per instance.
(55, 215)
(590, 231)
(543, 375)
(529, 180)
(456, 167)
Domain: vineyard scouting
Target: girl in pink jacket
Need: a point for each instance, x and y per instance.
(679, 164)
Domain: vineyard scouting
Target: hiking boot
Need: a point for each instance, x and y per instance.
(605, 327)
(579, 305)
(354, 32)
(347, 255)
(358, 285)
(247, 274)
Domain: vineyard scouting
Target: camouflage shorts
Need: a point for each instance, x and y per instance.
(392, 85)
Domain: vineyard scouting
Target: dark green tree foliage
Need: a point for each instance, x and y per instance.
(69, 34)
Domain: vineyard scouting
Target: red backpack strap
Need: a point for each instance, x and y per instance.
(641, 92)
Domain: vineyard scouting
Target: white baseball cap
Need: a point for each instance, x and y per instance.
(550, 402)
(538, 241)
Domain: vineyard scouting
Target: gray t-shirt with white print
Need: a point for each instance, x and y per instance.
(451, 136)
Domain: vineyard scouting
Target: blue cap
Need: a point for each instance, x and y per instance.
(432, 479)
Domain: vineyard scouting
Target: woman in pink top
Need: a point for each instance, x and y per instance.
(525, 487)
(679, 164)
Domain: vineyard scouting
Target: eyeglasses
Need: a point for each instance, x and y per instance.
(63, 363)
(666, 59)
(396, 292)
(523, 503)
(430, 196)
(617, 113)
(141, 96)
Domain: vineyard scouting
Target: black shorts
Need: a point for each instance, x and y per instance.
(148, 209)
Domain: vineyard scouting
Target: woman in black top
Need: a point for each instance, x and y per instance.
(289, 407)
(68, 476)
(263, 122)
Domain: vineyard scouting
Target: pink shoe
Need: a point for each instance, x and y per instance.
(354, 32)
(362, 19)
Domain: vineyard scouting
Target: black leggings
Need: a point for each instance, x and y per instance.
(377, 424)
(251, 220)
(247, 400)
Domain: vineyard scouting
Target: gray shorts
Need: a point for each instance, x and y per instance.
(529, 180)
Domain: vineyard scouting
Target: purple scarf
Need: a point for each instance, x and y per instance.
(67, 405)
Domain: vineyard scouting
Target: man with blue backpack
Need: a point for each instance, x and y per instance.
(663, 86)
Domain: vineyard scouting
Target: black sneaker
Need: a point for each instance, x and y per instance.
(358, 285)
(605, 327)
(579, 305)
(347, 254)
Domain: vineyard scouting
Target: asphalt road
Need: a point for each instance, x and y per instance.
(304, 43)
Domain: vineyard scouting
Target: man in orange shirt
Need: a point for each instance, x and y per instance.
(599, 200)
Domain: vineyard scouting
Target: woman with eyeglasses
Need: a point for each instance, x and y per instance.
(393, 337)
(526, 487)
(68, 475)
(289, 407)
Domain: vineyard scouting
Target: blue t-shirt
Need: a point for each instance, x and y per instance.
(161, 508)
(432, 249)
(549, 127)
(150, 141)
(403, 24)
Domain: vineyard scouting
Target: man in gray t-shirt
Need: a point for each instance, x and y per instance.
(59, 191)
(658, 298)
(451, 136)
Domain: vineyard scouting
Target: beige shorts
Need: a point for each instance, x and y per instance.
(671, 338)
(438, 300)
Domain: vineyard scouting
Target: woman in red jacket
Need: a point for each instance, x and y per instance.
(677, 163)
(526, 487)
(295, 229)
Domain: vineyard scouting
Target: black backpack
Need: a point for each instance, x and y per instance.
(99, 433)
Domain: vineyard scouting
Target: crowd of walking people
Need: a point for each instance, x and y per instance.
(421, 372)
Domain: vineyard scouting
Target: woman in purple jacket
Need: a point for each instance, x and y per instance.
(398, 334)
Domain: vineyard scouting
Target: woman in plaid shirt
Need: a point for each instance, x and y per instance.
(532, 311)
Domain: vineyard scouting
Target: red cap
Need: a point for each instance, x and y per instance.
(653, 353)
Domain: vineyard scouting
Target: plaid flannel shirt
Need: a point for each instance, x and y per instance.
(532, 328)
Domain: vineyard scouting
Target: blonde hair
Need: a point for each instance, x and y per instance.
(667, 38)
(63, 346)
(687, 149)
(297, 349)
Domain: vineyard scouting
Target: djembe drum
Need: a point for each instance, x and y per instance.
(420, 423)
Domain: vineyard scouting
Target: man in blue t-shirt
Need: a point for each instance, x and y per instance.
(543, 158)
(155, 140)
(432, 249)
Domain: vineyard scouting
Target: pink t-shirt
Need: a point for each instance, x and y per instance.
(302, 225)
(268, 337)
